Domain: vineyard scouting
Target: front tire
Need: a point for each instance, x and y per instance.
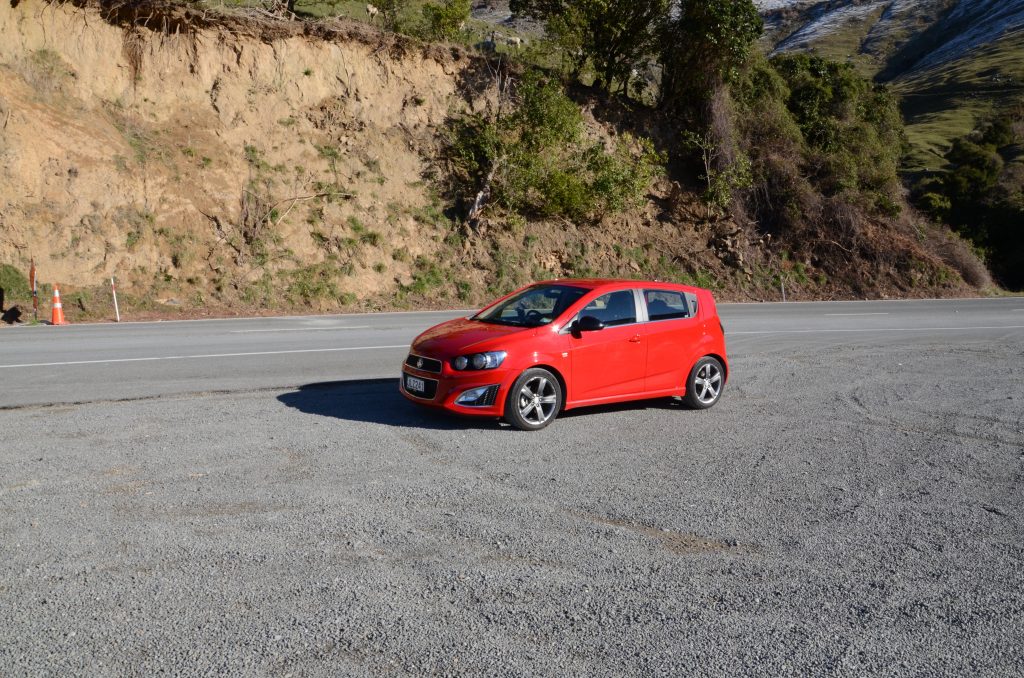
(705, 384)
(534, 400)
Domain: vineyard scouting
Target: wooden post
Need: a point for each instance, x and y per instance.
(32, 284)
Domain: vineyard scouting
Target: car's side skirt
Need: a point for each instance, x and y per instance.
(645, 395)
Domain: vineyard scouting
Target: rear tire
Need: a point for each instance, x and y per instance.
(534, 400)
(705, 384)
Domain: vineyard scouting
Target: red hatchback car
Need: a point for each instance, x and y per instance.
(562, 344)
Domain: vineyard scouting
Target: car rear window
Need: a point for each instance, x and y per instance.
(669, 304)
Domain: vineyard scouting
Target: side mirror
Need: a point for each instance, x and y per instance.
(589, 323)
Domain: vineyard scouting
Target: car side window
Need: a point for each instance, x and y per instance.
(614, 308)
(666, 305)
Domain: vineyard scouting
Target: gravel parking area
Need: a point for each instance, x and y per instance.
(850, 507)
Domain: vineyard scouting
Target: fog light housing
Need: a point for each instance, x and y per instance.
(482, 396)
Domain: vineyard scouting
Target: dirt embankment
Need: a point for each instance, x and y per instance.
(157, 155)
(225, 164)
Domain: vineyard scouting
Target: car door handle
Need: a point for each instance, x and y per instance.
(635, 339)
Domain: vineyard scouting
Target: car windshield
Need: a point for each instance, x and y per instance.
(533, 307)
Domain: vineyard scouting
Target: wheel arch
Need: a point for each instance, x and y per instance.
(721, 360)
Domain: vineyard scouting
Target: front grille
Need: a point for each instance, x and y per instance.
(425, 364)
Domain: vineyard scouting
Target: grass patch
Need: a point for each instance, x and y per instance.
(427, 277)
(14, 283)
(312, 283)
(45, 72)
(138, 137)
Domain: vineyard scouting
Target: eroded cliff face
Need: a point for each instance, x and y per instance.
(213, 158)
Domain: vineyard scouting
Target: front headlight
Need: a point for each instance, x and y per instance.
(479, 361)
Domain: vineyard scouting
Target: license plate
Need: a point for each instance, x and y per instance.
(414, 384)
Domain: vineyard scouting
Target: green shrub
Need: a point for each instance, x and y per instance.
(621, 178)
(536, 160)
(812, 126)
(443, 21)
(428, 276)
(312, 283)
(851, 124)
(722, 179)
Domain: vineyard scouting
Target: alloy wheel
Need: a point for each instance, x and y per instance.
(708, 383)
(537, 400)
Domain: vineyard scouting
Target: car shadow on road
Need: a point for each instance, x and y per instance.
(375, 401)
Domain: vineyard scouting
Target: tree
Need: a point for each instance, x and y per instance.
(615, 36)
(390, 11)
(981, 195)
(703, 45)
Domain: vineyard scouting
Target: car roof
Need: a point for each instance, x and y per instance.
(594, 283)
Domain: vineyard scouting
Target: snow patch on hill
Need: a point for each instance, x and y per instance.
(827, 22)
(973, 23)
(769, 5)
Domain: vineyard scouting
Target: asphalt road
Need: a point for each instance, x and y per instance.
(252, 497)
(84, 363)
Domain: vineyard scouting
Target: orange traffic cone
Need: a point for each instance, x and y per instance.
(58, 310)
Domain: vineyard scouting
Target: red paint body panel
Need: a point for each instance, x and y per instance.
(643, 359)
(608, 363)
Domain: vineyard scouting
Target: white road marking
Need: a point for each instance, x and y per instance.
(856, 314)
(883, 329)
(867, 301)
(304, 329)
(208, 355)
(109, 323)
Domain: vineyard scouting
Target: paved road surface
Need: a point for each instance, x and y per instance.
(81, 363)
(253, 497)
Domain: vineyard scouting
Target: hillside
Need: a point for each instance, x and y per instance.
(953, 63)
(233, 162)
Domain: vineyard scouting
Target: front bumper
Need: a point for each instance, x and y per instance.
(450, 385)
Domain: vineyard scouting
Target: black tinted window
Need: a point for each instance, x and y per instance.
(666, 304)
(614, 308)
